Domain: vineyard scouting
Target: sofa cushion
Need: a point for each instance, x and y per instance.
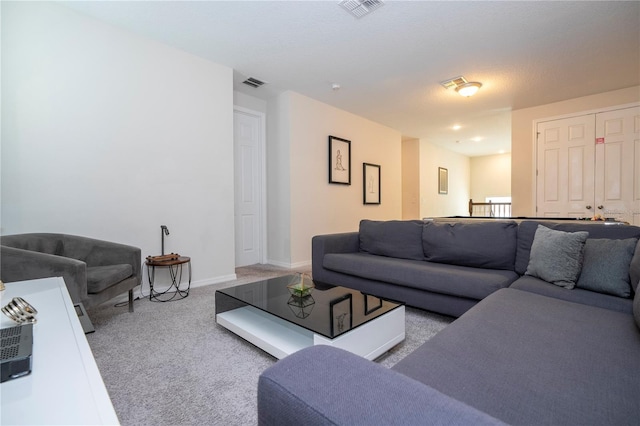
(467, 282)
(634, 268)
(576, 295)
(393, 238)
(615, 231)
(556, 256)
(465, 243)
(605, 268)
(302, 389)
(100, 278)
(636, 308)
(532, 360)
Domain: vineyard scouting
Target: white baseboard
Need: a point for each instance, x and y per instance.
(124, 297)
(286, 265)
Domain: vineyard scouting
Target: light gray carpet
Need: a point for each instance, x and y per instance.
(170, 364)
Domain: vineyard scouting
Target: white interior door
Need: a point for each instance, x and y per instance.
(248, 135)
(565, 167)
(617, 190)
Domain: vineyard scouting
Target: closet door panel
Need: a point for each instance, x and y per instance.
(617, 190)
(565, 167)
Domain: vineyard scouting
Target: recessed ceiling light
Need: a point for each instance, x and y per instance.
(456, 127)
(477, 139)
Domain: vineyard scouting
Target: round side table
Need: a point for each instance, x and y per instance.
(175, 272)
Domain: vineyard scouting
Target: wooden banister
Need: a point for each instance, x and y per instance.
(490, 209)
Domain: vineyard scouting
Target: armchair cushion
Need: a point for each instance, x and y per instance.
(102, 277)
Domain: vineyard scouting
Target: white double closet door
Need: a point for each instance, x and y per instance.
(590, 165)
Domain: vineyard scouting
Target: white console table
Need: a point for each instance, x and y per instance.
(65, 385)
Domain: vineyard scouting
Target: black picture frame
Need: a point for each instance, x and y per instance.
(443, 180)
(371, 303)
(371, 183)
(341, 314)
(339, 161)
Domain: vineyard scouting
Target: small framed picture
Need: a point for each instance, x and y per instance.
(339, 161)
(370, 183)
(443, 180)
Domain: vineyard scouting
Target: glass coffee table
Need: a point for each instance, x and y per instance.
(267, 314)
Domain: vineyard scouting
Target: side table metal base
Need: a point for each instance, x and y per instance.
(175, 267)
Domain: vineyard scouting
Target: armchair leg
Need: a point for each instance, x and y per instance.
(131, 300)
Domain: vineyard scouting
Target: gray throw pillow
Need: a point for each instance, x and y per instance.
(605, 268)
(556, 256)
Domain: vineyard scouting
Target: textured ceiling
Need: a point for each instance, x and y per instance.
(389, 63)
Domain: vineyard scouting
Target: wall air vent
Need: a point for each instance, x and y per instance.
(360, 8)
(253, 82)
(453, 82)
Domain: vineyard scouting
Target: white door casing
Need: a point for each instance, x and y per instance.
(565, 167)
(249, 184)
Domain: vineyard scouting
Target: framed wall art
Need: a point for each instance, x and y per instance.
(443, 180)
(339, 161)
(370, 183)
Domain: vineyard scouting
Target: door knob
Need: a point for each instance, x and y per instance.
(600, 207)
(588, 207)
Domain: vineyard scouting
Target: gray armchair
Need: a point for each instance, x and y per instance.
(94, 271)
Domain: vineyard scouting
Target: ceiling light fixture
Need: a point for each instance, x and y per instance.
(462, 86)
(468, 89)
(360, 8)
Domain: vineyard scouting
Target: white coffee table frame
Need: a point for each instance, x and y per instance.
(280, 338)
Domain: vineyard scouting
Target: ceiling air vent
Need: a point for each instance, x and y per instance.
(453, 82)
(253, 82)
(360, 8)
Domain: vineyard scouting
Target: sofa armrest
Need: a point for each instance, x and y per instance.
(103, 253)
(323, 385)
(20, 265)
(348, 242)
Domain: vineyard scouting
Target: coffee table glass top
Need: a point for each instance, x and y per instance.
(327, 310)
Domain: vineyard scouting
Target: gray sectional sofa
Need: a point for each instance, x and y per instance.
(551, 339)
(449, 266)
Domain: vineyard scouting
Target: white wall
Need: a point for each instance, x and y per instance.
(278, 182)
(456, 202)
(411, 179)
(317, 207)
(109, 135)
(250, 102)
(523, 146)
(490, 176)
